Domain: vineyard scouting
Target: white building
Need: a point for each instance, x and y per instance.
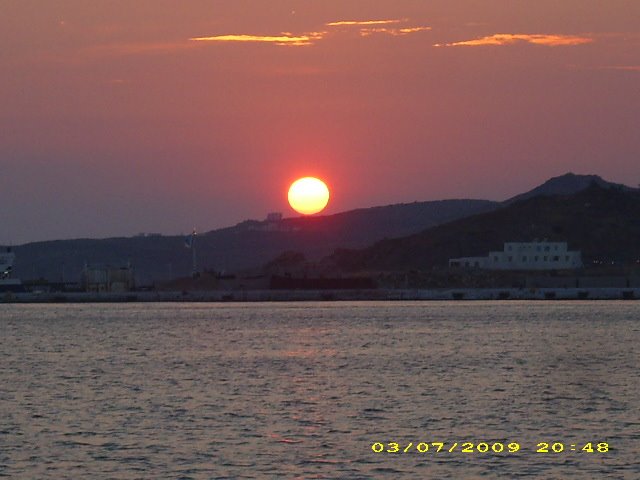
(525, 256)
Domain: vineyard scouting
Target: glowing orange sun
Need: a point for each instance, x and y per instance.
(308, 195)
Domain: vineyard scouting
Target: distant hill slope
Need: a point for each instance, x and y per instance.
(602, 222)
(566, 185)
(361, 225)
(248, 244)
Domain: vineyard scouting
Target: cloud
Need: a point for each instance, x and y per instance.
(397, 32)
(364, 27)
(283, 39)
(372, 27)
(512, 38)
(363, 23)
(624, 68)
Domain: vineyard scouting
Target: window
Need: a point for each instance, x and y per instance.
(556, 258)
(510, 259)
(495, 259)
(546, 249)
(524, 259)
(538, 248)
(535, 258)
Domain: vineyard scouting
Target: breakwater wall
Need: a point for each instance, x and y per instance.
(328, 295)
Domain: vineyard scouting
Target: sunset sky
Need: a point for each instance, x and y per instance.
(119, 117)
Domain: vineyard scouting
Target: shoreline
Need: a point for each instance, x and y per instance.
(215, 296)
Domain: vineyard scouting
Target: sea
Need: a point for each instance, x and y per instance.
(331, 390)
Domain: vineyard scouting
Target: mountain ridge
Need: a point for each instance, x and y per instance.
(601, 222)
(250, 243)
(567, 184)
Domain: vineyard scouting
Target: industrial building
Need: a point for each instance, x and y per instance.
(105, 278)
(535, 255)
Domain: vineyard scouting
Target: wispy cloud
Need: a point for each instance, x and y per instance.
(282, 39)
(513, 38)
(372, 27)
(397, 32)
(364, 23)
(624, 68)
(365, 28)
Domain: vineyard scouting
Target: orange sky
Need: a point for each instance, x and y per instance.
(122, 117)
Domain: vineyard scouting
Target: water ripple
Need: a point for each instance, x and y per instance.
(254, 391)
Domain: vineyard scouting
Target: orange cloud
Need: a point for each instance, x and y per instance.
(366, 28)
(511, 38)
(365, 32)
(363, 23)
(282, 39)
(371, 27)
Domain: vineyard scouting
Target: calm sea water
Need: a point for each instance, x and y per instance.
(304, 390)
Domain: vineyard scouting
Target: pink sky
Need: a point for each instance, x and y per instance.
(123, 117)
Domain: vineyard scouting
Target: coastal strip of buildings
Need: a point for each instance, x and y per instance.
(538, 270)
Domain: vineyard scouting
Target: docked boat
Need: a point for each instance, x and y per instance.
(7, 282)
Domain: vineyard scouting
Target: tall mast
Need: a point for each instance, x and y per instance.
(194, 267)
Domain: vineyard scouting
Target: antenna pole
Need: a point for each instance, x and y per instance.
(194, 270)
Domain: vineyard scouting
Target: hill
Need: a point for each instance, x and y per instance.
(248, 244)
(604, 223)
(566, 185)
(254, 243)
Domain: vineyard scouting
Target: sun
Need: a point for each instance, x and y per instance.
(308, 195)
